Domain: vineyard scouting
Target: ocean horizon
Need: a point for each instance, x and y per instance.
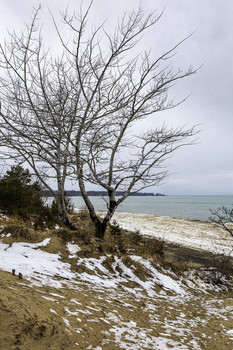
(196, 207)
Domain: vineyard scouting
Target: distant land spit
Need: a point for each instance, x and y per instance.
(71, 193)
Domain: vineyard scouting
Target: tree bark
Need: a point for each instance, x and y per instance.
(65, 217)
(100, 228)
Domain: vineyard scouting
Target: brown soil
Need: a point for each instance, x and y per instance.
(25, 320)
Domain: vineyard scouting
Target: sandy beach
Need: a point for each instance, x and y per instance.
(194, 234)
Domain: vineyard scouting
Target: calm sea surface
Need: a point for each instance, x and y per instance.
(190, 207)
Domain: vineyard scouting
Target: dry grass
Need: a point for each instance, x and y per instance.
(116, 241)
(20, 232)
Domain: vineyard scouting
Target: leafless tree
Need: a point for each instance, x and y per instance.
(77, 115)
(117, 92)
(223, 218)
(37, 109)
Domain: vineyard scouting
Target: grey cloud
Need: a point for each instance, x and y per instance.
(206, 168)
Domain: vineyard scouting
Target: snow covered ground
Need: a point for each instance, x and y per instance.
(43, 268)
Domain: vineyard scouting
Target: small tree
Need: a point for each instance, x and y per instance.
(22, 197)
(223, 217)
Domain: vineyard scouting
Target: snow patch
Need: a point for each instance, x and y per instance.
(73, 249)
(165, 281)
(38, 266)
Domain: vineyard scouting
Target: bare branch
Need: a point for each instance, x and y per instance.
(75, 115)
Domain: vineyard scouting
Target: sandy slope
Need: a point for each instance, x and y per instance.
(90, 317)
(72, 299)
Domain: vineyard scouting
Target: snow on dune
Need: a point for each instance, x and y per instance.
(112, 291)
(43, 268)
(33, 263)
(48, 269)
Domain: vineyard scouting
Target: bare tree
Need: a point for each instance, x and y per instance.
(223, 217)
(77, 115)
(117, 92)
(37, 109)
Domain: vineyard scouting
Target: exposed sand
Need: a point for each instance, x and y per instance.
(90, 317)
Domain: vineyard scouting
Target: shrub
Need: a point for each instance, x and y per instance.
(18, 196)
(136, 237)
(157, 248)
(65, 235)
(115, 228)
(21, 197)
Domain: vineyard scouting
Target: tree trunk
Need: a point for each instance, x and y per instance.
(60, 197)
(100, 227)
(63, 212)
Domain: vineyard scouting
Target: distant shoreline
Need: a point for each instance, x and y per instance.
(71, 193)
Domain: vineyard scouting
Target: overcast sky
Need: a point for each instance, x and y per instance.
(206, 168)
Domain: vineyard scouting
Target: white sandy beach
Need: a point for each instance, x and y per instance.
(200, 235)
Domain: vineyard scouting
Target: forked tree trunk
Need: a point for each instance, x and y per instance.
(100, 227)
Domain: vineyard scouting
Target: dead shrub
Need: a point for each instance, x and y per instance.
(121, 245)
(86, 237)
(157, 248)
(179, 267)
(106, 247)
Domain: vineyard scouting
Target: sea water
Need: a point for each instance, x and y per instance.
(187, 207)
